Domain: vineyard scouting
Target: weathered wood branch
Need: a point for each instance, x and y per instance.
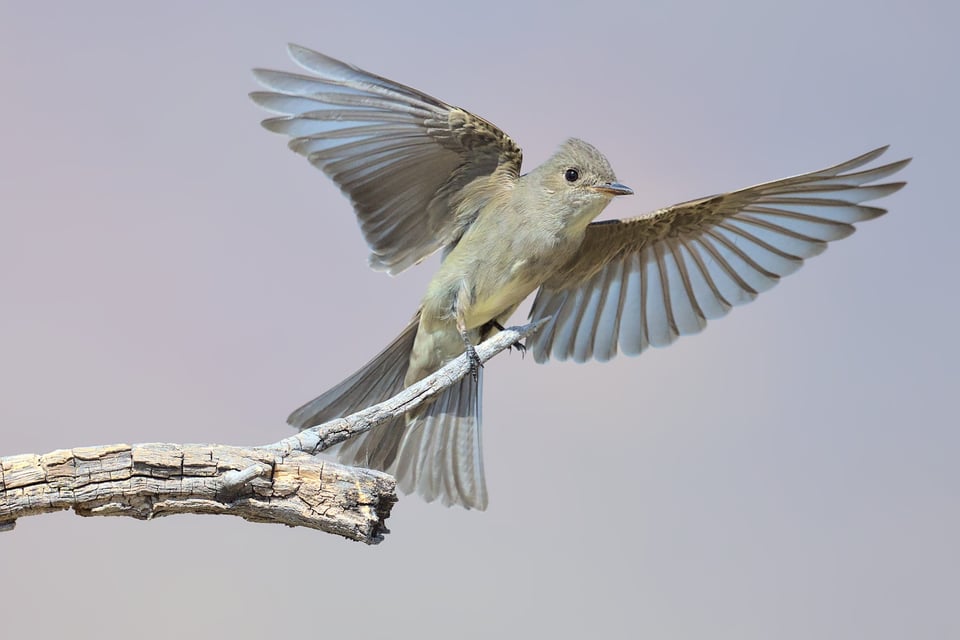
(282, 482)
(145, 481)
(335, 431)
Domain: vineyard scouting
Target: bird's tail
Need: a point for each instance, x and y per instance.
(434, 450)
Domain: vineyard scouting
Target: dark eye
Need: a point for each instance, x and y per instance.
(571, 175)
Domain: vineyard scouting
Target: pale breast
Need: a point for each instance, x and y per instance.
(500, 288)
(500, 261)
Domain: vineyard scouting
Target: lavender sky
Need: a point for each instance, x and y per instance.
(169, 271)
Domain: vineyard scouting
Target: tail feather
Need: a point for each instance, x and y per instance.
(441, 453)
(434, 451)
(376, 381)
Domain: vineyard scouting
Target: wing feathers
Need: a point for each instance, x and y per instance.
(403, 157)
(671, 271)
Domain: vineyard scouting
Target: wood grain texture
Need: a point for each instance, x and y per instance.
(283, 482)
(145, 481)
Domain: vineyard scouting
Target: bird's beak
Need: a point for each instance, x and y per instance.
(614, 189)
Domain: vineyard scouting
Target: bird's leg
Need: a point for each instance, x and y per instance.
(493, 324)
(472, 356)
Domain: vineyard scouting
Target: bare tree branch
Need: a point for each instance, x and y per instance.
(145, 481)
(326, 435)
(281, 482)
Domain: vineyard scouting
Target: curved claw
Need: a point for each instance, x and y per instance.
(519, 346)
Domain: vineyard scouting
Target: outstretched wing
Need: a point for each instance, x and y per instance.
(407, 161)
(647, 280)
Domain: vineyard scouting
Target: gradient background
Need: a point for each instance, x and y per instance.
(169, 272)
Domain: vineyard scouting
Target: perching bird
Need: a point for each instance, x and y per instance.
(423, 176)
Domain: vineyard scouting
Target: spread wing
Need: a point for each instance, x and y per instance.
(406, 160)
(647, 280)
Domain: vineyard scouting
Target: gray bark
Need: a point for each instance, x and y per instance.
(282, 482)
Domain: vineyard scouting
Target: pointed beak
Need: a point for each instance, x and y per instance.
(614, 189)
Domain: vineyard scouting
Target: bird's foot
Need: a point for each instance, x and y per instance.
(519, 346)
(475, 364)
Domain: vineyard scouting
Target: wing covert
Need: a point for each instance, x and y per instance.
(406, 160)
(645, 281)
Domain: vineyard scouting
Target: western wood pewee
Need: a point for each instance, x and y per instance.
(425, 176)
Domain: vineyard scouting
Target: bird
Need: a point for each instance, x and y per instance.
(424, 176)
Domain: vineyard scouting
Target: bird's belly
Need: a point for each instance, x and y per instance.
(495, 296)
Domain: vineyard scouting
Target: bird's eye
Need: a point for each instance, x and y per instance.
(571, 175)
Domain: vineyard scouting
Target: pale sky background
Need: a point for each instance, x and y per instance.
(169, 272)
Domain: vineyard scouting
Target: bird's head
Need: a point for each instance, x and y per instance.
(579, 177)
